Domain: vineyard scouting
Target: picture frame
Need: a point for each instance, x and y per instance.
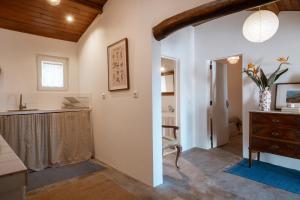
(118, 66)
(287, 93)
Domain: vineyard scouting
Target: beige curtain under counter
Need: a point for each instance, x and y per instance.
(70, 137)
(44, 140)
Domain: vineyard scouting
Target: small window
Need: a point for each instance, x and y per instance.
(52, 73)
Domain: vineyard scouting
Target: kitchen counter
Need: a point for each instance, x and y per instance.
(9, 161)
(12, 174)
(42, 111)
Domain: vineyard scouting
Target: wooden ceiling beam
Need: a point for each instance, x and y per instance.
(96, 6)
(204, 13)
(272, 7)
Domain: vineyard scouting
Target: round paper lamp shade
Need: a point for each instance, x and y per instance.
(260, 26)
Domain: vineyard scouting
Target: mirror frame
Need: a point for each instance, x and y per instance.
(169, 93)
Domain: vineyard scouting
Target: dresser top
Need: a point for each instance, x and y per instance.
(275, 112)
(10, 163)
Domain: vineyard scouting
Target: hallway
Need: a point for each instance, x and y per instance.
(235, 145)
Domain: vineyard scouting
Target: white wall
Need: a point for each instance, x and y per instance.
(223, 37)
(19, 68)
(180, 45)
(128, 131)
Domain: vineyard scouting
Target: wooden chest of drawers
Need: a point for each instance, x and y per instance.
(275, 133)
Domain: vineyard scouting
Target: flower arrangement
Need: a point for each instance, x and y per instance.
(258, 76)
(265, 83)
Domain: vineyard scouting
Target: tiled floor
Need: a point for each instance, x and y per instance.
(235, 145)
(201, 176)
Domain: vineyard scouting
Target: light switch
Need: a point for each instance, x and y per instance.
(103, 95)
(135, 94)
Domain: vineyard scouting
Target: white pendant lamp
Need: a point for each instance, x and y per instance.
(260, 26)
(233, 60)
(54, 2)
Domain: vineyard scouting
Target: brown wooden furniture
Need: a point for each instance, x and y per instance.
(172, 143)
(274, 132)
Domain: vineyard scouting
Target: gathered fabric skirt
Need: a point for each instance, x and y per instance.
(50, 139)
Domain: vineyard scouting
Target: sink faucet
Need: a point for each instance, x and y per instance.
(21, 106)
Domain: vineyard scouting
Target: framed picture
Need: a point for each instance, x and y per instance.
(118, 69)
(287, 93)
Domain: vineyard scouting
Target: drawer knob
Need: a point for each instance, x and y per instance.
(274, 147)
(275, 120)
(275, 134)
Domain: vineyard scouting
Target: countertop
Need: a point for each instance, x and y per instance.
(275, 112)
(42, 111)
(10, 163)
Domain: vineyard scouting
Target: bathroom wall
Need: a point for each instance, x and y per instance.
(169, 65)
(167, 101)
(18, 53)
(222, 38)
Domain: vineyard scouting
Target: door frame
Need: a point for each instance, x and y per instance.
(210, 121)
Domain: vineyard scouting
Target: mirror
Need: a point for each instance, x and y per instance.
(167, 76)
(167, 83)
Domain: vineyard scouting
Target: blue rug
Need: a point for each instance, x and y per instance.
(272, 175)
(56, 174)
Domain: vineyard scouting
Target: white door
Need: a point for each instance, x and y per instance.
(219, 108)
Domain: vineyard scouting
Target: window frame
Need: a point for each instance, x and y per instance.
(65, 61)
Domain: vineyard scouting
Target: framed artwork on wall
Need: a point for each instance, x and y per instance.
(118, 69)
(287, 93)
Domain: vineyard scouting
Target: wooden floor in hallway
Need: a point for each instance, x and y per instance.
(201, 177)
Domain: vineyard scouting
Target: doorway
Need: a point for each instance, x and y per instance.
(226, 104)
(170, 101)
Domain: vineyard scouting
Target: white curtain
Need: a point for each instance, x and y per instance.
(44, 140)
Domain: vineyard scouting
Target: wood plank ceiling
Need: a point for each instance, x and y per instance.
(40, 18)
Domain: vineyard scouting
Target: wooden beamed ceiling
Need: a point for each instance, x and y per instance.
(40, 18)
(204, 13)
(282, 5)
(216, 9)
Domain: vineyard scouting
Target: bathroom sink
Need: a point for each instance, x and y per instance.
(24, 110)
